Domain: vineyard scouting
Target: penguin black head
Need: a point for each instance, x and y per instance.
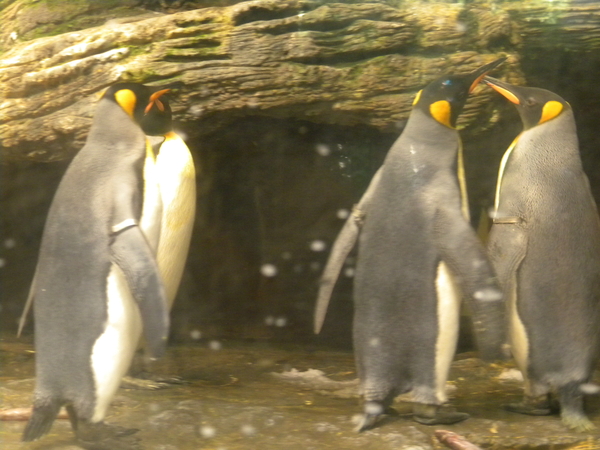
(535, 105)
(444, 98)
(146, 105)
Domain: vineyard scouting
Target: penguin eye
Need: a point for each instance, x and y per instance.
(530, 101)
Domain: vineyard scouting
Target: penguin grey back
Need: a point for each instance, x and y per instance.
(545, 245)
(417, 251)
(92, 225)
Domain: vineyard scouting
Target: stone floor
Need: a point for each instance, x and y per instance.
(241, 395)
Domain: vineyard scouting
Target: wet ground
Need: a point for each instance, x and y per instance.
(266, 396)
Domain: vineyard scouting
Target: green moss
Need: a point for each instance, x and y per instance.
(135, 50)
(138, 76)
(43, 18)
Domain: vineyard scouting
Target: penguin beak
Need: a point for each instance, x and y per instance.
(154, 100)
(483, 70)
(503, 89)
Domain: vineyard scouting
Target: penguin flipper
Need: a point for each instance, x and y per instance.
(341, 247)
(507, 247)
(462, 251)
(131, 252)
(27, 307)
(343, 244)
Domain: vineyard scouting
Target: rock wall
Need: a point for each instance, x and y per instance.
(288, 107)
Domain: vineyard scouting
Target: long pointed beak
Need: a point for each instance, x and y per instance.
(483, 70)
(503, 88)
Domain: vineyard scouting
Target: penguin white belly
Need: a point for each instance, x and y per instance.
(113, 350)
(448, 314)
(177, 179)
(519, 341)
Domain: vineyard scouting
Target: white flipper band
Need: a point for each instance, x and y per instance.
(127, 223)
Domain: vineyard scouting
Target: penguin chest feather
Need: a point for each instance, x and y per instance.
(177, 180)
(448, 315)
(114, 349)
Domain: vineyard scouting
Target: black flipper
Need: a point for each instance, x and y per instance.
(131, 252)
(464, 254)
(43, 415)
(341, 247)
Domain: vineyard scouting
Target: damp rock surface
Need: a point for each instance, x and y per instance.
(270, 396)
(341, 63)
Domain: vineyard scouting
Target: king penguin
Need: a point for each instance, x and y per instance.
(417, 257)
(177, 184)
(176, 181)
(97, 284)
(545, 246)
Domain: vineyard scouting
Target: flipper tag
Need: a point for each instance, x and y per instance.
(507, 220)
(358, 215)
(127, 223)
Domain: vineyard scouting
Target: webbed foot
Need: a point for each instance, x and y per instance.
(534, 406)
(167, 379)
(435, 415)
(572, 415)
(101, 436)
(530, 410)
(128, 382)
(577, 422)
(373, 410)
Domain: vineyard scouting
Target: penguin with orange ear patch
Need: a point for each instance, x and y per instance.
(176, 176)
(417, 258)
(545, 246)
(97, 285)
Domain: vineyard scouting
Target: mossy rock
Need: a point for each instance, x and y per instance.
(24, 20)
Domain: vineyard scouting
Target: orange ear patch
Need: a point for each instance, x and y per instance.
(126, 100)
(550, 111)
(441, 111)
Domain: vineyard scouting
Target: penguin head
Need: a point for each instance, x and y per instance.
(146, 105)
(535, 105)
(444, 98)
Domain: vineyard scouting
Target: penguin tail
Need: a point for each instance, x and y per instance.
(43, 415)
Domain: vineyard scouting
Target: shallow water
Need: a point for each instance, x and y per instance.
(232, 400)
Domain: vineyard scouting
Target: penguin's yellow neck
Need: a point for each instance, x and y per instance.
(462, 183)
(171, 135)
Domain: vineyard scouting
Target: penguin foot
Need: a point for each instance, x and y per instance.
(435, 415)
(168, 379)
(366, 422)
(146, 384)
(577, 422)
(530, 410)
(534, 406)
(571, 401)
(373, 411)
(142, 384)
(101, 436)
